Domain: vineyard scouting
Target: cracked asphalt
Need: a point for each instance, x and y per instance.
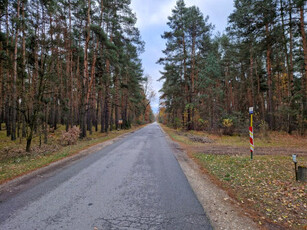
(135, 183)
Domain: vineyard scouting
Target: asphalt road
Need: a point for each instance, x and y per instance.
(135, 183)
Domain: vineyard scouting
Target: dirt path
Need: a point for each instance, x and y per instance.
(232, 150)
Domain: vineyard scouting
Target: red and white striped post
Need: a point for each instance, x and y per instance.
(251, 133)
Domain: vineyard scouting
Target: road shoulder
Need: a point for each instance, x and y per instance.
(222, 210)
(22, 182)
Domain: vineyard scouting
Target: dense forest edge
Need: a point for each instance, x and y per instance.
(209, 82)
(72, 64)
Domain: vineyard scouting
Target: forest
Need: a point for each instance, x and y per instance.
(209, 82)
(70, 63)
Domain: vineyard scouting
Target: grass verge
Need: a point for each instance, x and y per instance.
(272, 139)
(12, 167)
(265, 184)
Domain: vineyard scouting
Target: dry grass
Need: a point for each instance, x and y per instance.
(273, 139)
(14, 161)
(265, 184)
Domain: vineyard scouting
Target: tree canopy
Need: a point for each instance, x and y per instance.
(69, 62)
(259, 62)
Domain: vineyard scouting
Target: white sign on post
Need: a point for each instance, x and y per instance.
(294, 158)
(251, 110)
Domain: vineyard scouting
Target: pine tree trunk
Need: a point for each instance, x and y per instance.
(24, 74)
(1, 85)
(124, 103)
(7, 89)
(107, 93)
(55, 118)
(116, 100)
(252, 78)
(68, 76)
(106, 109)
(91, 87)
(45, 125)
(269, 74)
(71, 119)
(97, 111)
(85, 75)
(14, 98)
(29, 140)
(289, 62)
(304, 80)
(187, 94)
(90, 120)
(102, 113)
(83, 114)
(100, 94)
(227, 86)
(304, 39)
(111, 117)
(192, 93)
(126, 122)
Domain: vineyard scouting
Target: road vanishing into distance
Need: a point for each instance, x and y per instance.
(135, 183)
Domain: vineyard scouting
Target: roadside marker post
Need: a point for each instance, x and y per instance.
(295, 167)
(120, 122)
(251, 133)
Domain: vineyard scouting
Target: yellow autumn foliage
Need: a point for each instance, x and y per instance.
(227, 123)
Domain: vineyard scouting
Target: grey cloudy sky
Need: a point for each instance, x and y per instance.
(152, 18)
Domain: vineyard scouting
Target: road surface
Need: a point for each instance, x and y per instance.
(135, 183)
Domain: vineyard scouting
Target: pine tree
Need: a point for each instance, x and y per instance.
(65, 62)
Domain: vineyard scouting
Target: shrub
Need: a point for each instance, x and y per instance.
(203, 124)
(228, 126)
(177, 123)
(71, 137)
(227, 123)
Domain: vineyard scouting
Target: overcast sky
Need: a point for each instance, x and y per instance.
(152, 18)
